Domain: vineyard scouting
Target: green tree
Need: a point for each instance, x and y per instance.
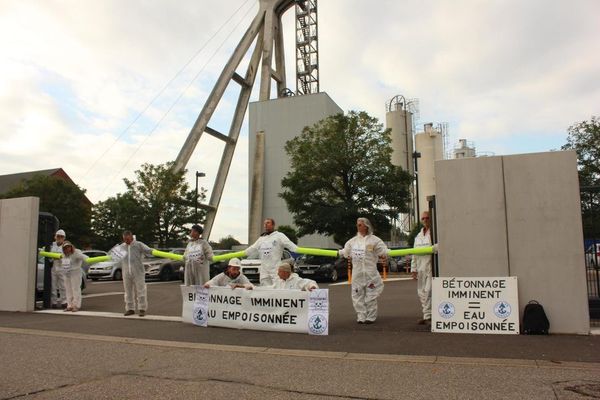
(116, 214)
(226, 243)
(584, 138)
(65, 200)
(158, 207)
(341, 170)
(289, 231)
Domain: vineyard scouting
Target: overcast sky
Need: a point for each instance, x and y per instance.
(99, 87)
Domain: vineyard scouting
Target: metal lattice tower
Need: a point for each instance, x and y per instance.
(307, 47)
(266, 32)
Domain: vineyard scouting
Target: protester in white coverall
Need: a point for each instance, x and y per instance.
(269, 248)
(131, 254)
(365, 249)
(288, 280)
(71, 263)
(231, 277)
(420, 267)
(198, 255)
(58, 275)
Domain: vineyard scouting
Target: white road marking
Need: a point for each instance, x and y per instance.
(111, 315)
(88, 296)
(387, 280)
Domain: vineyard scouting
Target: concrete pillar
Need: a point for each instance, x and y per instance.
(257, 188)
(18, 241)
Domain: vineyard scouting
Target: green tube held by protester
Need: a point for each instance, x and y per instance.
(420, 251)
(223, 257)
(164, 254)
(49, 254)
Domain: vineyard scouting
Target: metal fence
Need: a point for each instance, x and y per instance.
(590, 217)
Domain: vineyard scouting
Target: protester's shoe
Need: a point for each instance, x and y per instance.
(129, 312)
(369, 322)
(63, 305)
(68, 309)
(142, 313)
(360, 322)
(421, 322)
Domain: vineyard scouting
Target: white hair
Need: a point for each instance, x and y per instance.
(367, 224)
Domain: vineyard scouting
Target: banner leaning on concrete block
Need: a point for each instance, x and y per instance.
(259, 309)
(475, 305)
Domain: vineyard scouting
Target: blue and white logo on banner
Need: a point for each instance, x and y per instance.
(200, 313)
(502, 309)
(317, 324)
(446, 309)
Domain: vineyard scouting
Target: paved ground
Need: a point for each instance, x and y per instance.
(51, 356)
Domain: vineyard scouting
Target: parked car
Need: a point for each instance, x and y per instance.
(251, 266)
(322, 268)
(105, 270)
(592, 255)
(161, 268)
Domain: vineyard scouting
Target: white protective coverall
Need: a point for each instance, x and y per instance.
(58, 278)
(197, 256)
(71, 266)
(269, 248)
(294, 282)
(224, 280)
(422, 266)
(367, 284)
(134, 274)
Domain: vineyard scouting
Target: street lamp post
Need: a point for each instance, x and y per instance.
(198, 175)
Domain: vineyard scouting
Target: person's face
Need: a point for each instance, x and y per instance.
(128, 239)
(283, 274)
(425, 219)
(269, 225)
(60, 239)
(68, 250)
(234, 272)
(362, 228)
(194, 234)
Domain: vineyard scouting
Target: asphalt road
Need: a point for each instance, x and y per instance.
(395, 331)
(67, 355)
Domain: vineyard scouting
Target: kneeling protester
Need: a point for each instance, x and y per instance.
(286, 279)
(231, 277)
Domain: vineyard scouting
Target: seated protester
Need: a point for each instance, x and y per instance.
(288, 280)
(231, 277)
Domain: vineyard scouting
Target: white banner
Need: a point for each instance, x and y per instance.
(258, 309)
(475, 305)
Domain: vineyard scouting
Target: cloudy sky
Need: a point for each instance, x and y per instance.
(99, 87)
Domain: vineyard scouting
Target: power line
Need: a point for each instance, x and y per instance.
(176, 101)
(165, 87)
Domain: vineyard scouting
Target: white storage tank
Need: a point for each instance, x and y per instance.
(399, 120)
(431, 146)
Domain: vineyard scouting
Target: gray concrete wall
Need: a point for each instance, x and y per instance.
(545, 236)
(517, 216)
(283, 119)
(18, 240)
(471, 217)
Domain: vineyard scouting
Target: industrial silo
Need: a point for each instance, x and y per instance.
(399, 120)
(430, 145)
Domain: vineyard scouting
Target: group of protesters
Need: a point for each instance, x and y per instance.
(365, 250)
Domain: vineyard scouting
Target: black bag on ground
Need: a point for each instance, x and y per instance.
(535, 321)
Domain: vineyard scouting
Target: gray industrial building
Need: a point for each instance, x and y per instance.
(282, 119)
